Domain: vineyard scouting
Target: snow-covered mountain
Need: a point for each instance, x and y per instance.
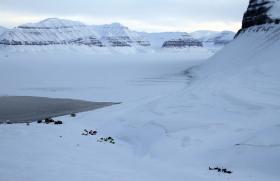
(170, 39)
(58, 31)
(157, 39)
(55, 31)
(185, 40)
(52, 23)
(2, 30)
(49, 32)
(118, 35)
(242, 82)
(213, 37)
(239, 86)
(251, 59)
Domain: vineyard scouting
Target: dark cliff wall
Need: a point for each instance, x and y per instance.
(257, 13)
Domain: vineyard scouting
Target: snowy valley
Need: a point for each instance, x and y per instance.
(182, 112)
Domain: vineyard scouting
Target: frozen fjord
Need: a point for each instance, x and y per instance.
(171, 125)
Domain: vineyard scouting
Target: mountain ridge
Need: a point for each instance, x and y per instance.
(52, 23)
(55, 31)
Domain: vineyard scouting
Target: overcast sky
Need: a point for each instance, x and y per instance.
(143, 15)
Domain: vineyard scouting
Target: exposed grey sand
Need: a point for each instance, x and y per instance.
(24, 109)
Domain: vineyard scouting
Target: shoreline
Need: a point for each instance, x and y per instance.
(26, 109)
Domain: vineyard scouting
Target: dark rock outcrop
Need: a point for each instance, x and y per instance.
(258, 13)
(89, 41)
(121, 41)
(182, 43)
(15, 42)
(143, 43)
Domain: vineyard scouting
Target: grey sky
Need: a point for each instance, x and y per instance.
(144, 15)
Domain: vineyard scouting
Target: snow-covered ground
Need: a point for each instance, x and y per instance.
(38, 153)
(172, 124)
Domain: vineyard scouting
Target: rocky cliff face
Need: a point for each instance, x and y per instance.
(261, 12)
(182, 42)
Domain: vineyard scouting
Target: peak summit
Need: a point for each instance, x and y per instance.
(113, 25)
(261, 12)
(116, 25)
(53, 23)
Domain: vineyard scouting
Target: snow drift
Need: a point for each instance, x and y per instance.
(240, 84)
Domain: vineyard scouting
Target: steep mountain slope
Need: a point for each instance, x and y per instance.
(250, 60)
(240, 84)
(256, 43)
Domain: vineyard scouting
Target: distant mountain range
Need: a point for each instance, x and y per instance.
(2, 29)
(55, 31)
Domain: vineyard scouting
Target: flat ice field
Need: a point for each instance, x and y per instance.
(165, 129)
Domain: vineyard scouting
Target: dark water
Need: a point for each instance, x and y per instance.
(23, 109)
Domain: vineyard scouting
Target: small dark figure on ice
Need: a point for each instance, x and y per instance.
(87, 133)
(223, 170)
